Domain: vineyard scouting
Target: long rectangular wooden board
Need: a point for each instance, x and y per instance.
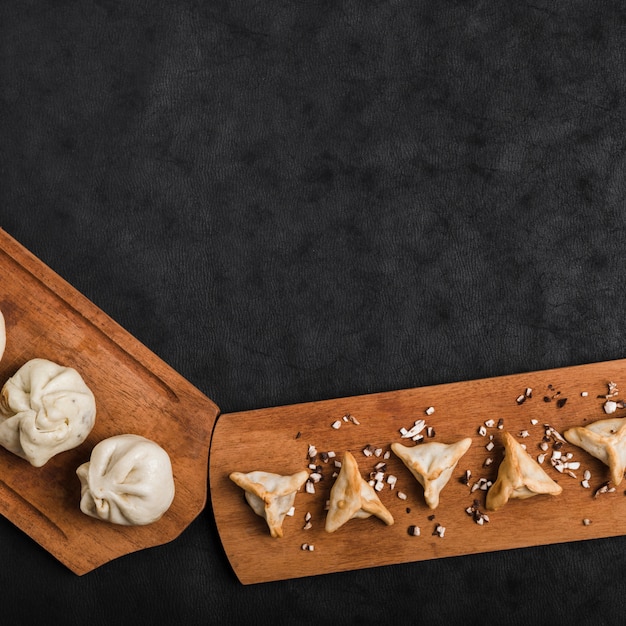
(278, 439)
(135, 391)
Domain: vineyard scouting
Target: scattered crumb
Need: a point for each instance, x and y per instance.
(481, 484)
(464, 480)
(476, 514)
(610, 406)
(602, 489)
(369, 450)
(414, 432)
(439, 530)
(353, 419)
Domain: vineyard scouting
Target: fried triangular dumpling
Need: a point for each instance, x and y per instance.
(606, 440)
(432, 464)
(519, 477)
(352, 497)
(270, 495)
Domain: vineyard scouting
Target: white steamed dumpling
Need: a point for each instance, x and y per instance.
(45, 409)
(128, 481)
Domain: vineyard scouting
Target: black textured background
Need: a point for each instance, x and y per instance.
(299, 200)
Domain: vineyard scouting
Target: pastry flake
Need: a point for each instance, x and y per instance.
(519, 477)
(351, 497)
(432, 464)
(270, 495)
(606, 441)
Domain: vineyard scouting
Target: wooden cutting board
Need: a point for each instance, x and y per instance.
(136, 392)
(278, 439)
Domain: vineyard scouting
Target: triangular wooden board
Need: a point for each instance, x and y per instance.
(135, 392)
(277, 440)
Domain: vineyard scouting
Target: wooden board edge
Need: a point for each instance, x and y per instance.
(90, 311)
(188, 393)
(555, 372)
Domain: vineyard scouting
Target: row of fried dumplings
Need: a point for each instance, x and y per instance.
(46, 409)
(432, 464)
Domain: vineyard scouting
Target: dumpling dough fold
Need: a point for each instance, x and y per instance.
(45, 409)
(3, 335)
(519, 477)
(128, 480)
(352, 497)
(270, 495)
(432, 464)
(605, 440)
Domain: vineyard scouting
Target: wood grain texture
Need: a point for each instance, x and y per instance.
(277, 440)
(135, 391)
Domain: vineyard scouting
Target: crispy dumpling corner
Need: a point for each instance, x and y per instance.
(352, 497)
(270, 495)
(432, 464)
(605, 440)
(519, 477)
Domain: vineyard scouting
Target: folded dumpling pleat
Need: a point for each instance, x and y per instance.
(519, 477)
(351, 497)
(270, 495)
(45, 408)
(128, 480)
(605, 440)
(432, 464)
(3, 335)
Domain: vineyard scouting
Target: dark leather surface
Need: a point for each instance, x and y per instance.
(293, 201)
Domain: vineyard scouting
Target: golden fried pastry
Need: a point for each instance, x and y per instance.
(605, 440)
(519, 477)
(352, 497)
(270, 495)
(432, 464)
